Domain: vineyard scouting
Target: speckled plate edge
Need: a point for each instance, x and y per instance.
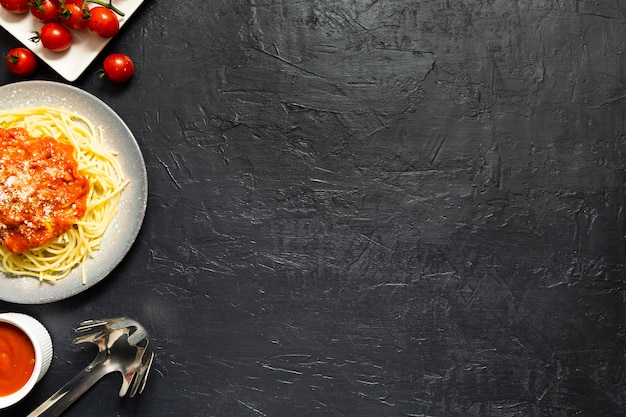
(124, 228)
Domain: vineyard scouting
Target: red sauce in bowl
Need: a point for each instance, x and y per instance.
(17, 359)
(42, 194)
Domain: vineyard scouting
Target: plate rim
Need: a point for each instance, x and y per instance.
(141, 198)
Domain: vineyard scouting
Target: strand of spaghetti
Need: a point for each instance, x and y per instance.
(57, 258)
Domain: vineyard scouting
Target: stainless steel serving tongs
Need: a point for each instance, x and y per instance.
(124, 347)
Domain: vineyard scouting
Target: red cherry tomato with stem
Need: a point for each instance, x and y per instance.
(118, 68)
(45, 11)
(21, 62)
(54, 36)
(15, 6)
(74, 14)
(103, 22)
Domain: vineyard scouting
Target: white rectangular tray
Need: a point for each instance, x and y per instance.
(70, 64)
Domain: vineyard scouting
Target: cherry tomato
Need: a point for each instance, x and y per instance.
(54, 36)
(21, 62)
(74, 14)
(118, 67)
(45, 11)
(16, 6)
(103, 22)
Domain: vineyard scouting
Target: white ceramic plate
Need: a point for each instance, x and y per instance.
(85, 47)
(123, 231)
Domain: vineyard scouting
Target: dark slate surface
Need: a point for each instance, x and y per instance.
(404, 208)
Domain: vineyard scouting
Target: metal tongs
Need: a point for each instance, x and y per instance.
(124, 346)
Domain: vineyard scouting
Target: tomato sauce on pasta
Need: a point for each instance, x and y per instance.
(85, 189)
(42, 194)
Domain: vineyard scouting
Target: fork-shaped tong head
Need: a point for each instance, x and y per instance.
(106, 333)
(123, 346)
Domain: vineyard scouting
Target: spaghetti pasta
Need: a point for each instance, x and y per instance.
(55, 259)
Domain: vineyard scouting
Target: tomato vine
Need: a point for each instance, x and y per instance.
(107, 4)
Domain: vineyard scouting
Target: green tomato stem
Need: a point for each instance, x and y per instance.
(108, 5)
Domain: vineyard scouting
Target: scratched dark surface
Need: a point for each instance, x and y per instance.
(403, 208)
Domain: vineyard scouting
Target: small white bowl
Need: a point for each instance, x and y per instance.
(42, 343)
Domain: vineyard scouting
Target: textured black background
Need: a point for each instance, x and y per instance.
(368, 208)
